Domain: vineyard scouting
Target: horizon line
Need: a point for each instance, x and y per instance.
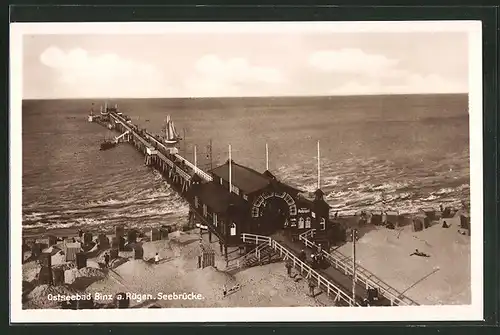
(248, 97)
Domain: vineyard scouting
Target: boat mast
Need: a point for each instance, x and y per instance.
(167, 134)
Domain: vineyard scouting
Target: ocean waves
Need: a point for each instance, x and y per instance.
(143, 198)
(371, 184)
(146, 204)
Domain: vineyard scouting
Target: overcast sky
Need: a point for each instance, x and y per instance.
(246, 64)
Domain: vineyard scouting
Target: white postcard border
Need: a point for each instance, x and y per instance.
(474, 311)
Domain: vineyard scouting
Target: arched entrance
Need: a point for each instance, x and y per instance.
(272, 211)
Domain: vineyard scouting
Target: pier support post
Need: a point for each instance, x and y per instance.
(147, 160)
(209, 236)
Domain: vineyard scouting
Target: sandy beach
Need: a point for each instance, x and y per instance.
(177, 272)
(443, 278)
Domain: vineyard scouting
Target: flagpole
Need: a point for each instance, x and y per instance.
(195, 159)
(267, 158)
(230, 171)
(354, 265)
(210, 152)
(184, 139)
(319, 169)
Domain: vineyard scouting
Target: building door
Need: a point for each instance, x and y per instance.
(274, 215)
(322, 224)
(301, 223)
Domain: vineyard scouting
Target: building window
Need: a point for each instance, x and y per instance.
(205, 210)
(301, 223)
(322, 224)
(215, 220)
(233, 229)
(293, 210)
(220, 181)
(255, 212)
(308, 223)
(313, 215)
(245, 197)
(196, 202)
(235, 189)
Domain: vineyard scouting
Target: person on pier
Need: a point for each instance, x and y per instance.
(314, 260)
(302, 255)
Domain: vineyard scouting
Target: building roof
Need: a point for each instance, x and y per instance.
(427, 209)
(460, 212)
(73, 245)
(244, 178)
(216, 197)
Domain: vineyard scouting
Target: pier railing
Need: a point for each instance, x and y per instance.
(256, 239)
(322, 282)
(148, 136)
(196, 169)
(363, 276)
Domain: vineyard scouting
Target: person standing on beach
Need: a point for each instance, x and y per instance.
(106, 259)
(288, 269)
(311, 288)
(157, 258)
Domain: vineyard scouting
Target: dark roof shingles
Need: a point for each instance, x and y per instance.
(216, 197)
(244, 178)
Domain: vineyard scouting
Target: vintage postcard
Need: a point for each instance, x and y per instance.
(246, 171)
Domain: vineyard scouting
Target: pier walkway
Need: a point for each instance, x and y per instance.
(336, 280)
(320, 279)
(338, 277)
(339, 263)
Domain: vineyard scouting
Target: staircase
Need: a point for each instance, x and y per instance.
(262, 254)
(266, 255)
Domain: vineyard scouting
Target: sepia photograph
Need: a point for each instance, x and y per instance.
(246, 171)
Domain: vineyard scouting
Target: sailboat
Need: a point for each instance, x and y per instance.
(105, 111)
(171, 135)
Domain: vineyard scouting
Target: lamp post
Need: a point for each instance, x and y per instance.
(354, 234)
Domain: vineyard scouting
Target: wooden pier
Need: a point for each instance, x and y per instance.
(243, 207)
